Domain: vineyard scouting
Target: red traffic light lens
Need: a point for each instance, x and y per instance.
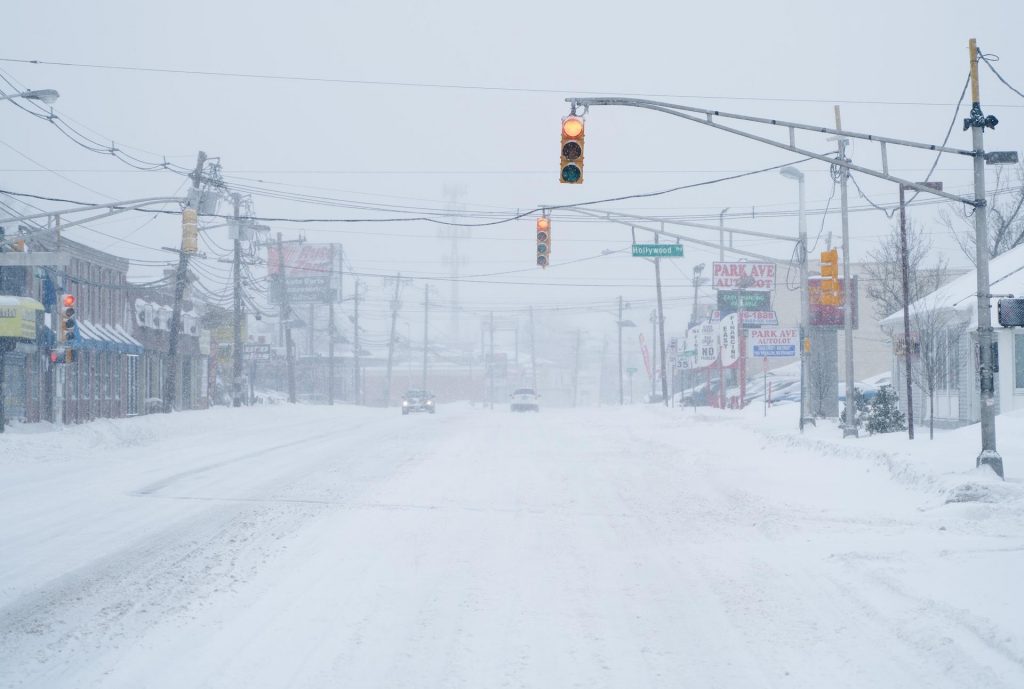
(543, 224)
(68, 300)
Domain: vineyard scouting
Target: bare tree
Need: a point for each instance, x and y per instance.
(884, 270)
(937, 331)
(1005, 215)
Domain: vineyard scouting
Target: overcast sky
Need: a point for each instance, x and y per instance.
(403, 145)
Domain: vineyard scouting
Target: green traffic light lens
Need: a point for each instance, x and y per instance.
(571, 174)
(572, 150)
(542, 248)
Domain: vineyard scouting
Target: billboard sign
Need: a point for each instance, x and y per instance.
(743, 275)
(774, 342)
(731, 301)
(308, 271)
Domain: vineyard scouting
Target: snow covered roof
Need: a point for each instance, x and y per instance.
(1006, 276)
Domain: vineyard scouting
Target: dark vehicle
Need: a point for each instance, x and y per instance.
(525, 399)
(417, 401)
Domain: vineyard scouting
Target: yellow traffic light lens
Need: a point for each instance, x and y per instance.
(543, 224)
(572, 127)
(572, 150)
(542, 236)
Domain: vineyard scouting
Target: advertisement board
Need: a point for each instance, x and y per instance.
(774, 342)
(743, 275)
(731, 301)
(308, 272)
(757, 319)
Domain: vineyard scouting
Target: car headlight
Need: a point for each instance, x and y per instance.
(405, 403)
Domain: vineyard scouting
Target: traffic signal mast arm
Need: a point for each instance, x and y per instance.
(684, 112)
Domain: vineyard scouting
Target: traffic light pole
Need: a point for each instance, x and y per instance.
(977, 123)
(289, 354)
(850, 427)
(621, 393)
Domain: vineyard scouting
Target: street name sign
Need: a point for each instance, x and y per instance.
(658, 250)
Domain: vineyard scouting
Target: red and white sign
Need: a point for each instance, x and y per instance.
(751, 319)
(730, 333)
(743, 275)
(774, 342)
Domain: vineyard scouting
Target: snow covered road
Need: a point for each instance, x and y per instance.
(342, 547)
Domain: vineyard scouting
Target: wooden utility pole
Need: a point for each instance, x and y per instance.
(426, 334)
(391, 340)
(330, 333)
(289, 353)
(180, 278)
(236, 373)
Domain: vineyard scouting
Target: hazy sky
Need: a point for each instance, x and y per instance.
(402, 145)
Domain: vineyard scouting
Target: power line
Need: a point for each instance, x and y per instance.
(451, 86)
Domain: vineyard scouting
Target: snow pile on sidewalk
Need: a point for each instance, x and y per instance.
(944, 466)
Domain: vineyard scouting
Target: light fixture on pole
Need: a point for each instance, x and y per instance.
(46, 96)
(790, 172)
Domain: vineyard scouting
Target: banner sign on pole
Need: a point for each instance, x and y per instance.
(743, 274)
(774, 342)
(730, 332)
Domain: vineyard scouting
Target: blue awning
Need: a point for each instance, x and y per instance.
(104, 338)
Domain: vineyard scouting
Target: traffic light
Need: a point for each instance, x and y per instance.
(68, 325)
(830, 273)
(543, 241)
(189, 230)
(572, 150)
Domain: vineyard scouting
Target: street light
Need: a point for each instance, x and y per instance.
(47, 96)
(790, 172)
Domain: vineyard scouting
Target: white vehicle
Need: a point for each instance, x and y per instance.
(525, 399)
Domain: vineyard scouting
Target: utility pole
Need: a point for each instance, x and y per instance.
(576, 371)
(180, 277)
(289, 354)
(391, 340)
(533, 353)
(357, 346)
(621, 395)
(330, 335)
(977, 122)
(850, 427)
(905, 269)
(236, 387)
(654, 352)
(721, 235)
(492, 367)
(426, 333)
(661, 328)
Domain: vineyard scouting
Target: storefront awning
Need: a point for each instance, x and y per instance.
(105, 338)
(18, 317)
